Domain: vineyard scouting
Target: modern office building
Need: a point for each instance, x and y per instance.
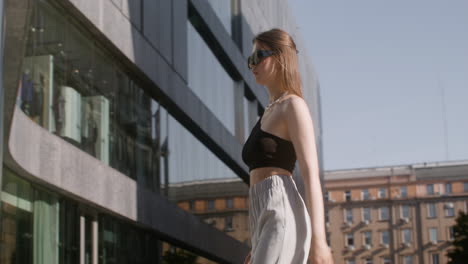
(400, 215)
(110, 106)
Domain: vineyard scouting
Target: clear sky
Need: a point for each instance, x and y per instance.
(393, 77)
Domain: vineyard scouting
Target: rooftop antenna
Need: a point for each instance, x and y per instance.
(444, 115)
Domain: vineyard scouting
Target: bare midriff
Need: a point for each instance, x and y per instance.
(259, 174)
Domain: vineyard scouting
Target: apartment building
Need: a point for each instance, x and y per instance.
(401, 215)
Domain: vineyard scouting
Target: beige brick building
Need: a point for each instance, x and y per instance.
(400, 215)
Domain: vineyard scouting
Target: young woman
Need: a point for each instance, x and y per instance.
(283, 228)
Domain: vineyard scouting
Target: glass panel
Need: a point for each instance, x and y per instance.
(385, 237)
(17, 220)
(403, 191)
(46, 233)
(69, 233)
(430, 189)
(222, 8)
(73, 88)
(209, 80)
(366, 212)
(433, 234)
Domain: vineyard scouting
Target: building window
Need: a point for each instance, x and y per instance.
(349, 239)
(408, 259)
(385, 237)
(386, 260)
(366, 214)
(368, 261)
(327, 216)
(433, 234)
(383, 213)
(449, 210)
(430, 189)
(229, 203)
(327, 196)
(403, 191)
(431, 210)
(228, 223)
(348, 196)
(405, 211)
(349, 215)
(350, 261)
(365, 194)
(451, 233)
(435, 258)
(210, 205)
(382, 193)
(465, 186)
(448, 188)
(367, 238)
(406, 235)
(191, 205)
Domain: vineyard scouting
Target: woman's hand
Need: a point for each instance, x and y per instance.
(320, 253)
(247, 259)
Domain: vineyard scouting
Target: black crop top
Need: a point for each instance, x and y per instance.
(263, 149)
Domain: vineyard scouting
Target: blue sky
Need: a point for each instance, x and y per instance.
(393, 77)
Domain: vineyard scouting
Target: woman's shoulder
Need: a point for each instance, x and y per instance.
(293, 103)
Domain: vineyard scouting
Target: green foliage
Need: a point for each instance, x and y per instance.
(459, 255)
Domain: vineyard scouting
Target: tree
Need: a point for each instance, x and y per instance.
(459, 255)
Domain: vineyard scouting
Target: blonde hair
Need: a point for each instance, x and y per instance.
(285, 54)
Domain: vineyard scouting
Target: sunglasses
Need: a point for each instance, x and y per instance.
(257, 57)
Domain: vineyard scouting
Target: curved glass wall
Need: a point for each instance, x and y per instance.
(71, 87)
(209, 81)
(42, 227)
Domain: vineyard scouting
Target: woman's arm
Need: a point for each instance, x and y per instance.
(301, 131)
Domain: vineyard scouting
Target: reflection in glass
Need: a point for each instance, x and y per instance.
(209, 80)
(73, 88)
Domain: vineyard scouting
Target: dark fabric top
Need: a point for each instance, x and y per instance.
(263, 149)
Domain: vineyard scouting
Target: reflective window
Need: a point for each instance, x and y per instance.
(405, 211)
(448, 188)
(385, 237)
(403, 191)
(406, 235)
(433, 234)
(366, 214)
(431, 210)
(408, 260)
(348, 196)
(365, 194)
(229, 203)
(350, 239)
(383, 213)
(449, 209)
(430, 189)
(367, 238)
(382, 193)
(72, 87)
(348, 215)
(222, 8)
(209, 80)
(46, 228)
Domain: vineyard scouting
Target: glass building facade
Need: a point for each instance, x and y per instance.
(115, 107)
